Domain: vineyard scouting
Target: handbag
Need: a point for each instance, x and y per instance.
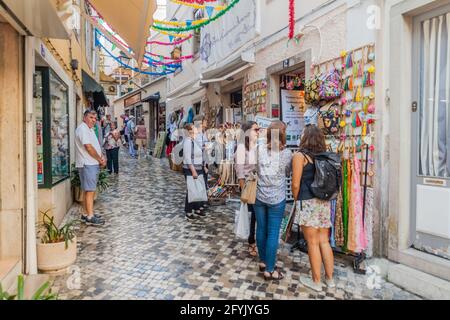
(248, 194)
(312, 90)
(196, 189)
(330, 85)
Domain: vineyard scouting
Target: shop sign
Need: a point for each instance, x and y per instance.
(132, 100)
(263, 122)
(292, 115)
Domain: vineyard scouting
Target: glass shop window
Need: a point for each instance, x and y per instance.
(52, 125)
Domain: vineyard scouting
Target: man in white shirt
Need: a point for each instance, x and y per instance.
(89, 159)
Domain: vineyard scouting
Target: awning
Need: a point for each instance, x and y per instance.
(228, 75)
(98, 93)
(154, 97)
(37, 18)
(89, 84)
(131, 19)
(239, 61)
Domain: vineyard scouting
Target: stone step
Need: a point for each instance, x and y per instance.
(418, 282)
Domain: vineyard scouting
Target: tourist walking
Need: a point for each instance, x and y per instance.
(141, 138)
(274, 164)
(192, 166)
(314, 215)
(112, 144)
(89, 159)
(245, 160)
(129, 132)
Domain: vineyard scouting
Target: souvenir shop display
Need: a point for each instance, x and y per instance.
(255, 97)
(343, 90)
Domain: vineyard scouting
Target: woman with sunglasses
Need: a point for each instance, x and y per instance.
(274, 164)
(245, 160)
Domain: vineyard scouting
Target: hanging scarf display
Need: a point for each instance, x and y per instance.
(338, 223)
(358, 243)
(345, 203)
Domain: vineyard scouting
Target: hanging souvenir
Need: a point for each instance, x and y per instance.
(330, 85)
(358, 94)
(349, 63)
(360, 68)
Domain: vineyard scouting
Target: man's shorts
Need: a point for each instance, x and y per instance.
(89, 177)
(141, 143)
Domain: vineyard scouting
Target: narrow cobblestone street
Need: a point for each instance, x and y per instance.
(147, 250)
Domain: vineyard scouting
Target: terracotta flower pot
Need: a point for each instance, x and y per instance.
(54, 257)
(78, 195)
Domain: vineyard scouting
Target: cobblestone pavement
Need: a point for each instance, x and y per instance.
(147, 250)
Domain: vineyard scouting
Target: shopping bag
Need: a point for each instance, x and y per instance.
(286, 224)
(242, 222)
(196, 189)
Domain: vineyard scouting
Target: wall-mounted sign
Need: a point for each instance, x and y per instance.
(435, 182)
(286, 63)
(132, 100)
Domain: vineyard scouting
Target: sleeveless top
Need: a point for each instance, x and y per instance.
(307, 180)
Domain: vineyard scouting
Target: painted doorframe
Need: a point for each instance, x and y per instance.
(399, 67)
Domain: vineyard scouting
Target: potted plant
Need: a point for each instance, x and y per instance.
(43, 293)
(57, 248)
(102, 184)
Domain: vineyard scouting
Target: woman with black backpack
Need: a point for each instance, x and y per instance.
(313, 214)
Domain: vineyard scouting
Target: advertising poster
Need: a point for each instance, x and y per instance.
(292, 114)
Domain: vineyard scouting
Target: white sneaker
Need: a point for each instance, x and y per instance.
(330, 283)
(309, 283)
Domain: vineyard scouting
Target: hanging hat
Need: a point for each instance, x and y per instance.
(311, 116)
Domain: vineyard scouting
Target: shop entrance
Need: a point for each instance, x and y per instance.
(236, 105)
(430, 192)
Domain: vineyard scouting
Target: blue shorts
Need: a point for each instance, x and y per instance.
(89, 177)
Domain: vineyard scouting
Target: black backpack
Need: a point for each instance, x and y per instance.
(327, 176)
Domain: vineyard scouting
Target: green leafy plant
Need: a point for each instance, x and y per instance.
(53, 234)
(43, 293)
(102, 183)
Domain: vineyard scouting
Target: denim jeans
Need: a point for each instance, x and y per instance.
(131, 150)
(268, 224)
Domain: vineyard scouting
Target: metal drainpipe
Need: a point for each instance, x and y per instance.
(30, 160)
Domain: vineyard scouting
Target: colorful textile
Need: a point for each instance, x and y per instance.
(338, 224)
(351, 241)
(314, 213)
(357, 204)
(345, 200)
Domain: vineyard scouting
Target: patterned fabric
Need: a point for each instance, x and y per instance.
(273, 167)
(345, 194)
(314, 213)
(338, 223)
(357, 203)
(351, 236)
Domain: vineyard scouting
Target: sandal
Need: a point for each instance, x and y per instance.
(271, 277)
(252, 250)
(262, 267)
